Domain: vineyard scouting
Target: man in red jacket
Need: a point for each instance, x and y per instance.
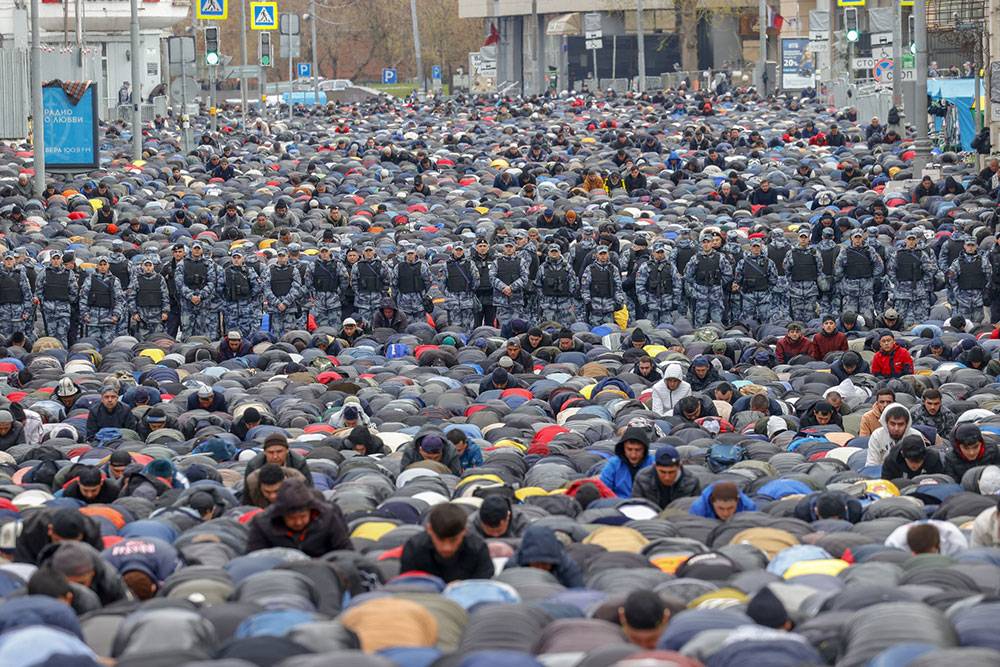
(891, 360)
(792, 344)
(828, 339)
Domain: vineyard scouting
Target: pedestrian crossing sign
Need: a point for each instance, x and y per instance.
(212, 10)
(263, 15)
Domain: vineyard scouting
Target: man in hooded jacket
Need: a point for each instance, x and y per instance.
(669, 390)
(968, 451)
(896, 425)
(631, 456)
(299, 519)
(665, 481)
(541, 549)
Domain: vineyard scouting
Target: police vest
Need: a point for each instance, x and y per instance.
(803, 266)
(237, 284)
(120, 270)
(971, 275)
(707, 272)
(777, 253)
(683, 256)
(601, 286)
(859, 264)
(10, 287)
(410, 280)
(909, 268)
(459, 277)
(195, 273)
(508, 270)
(370, 276)
(754, 275)
(282, 278)
(148, 293)
(829, 257)
(483, 265)
(556, 281)
(100, 291)
(56, 286)
(326, 278)
(660, 280)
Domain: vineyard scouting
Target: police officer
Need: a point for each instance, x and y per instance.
(69, 263)
(371, 279)
(282, 289)
(633, 259)
(196, 278)
(829, 250)
(351, 257)
(58, 290)
(658, 286)
(121, 268)
(150, 301)
(169, 273)
(803, 266)
(776, 250)
(529, 251)
(911, 280)
(461, 279)
(300, 310)
(102, 304)
(410, 282)
(482, 259)
(240, 292)
(509, 275)
(856, 270)
(325, 280)
(950, 251)
(556, 285)
(15, 297)
(755, 279)
(969, 275)
(704, 278)
(601, 288)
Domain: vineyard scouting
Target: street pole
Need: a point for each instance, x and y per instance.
(640, 37)
(416, 45)
(922, 145)
(243, 53)
(315, 62)
(213, 81)
(832, 20)
(136, 83)
(185, 123)
(897, 60)
(37, 114)
(290, 80)
(762, 21)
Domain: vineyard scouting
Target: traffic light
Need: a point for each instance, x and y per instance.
(265, 49)
(212, 46)
(851, 30)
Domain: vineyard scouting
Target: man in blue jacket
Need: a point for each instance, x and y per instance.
(631, 456)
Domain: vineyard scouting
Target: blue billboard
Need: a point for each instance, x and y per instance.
(70, 128)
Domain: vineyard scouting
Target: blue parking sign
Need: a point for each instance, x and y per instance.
(305, 70)
(389, 75)
(436, 72)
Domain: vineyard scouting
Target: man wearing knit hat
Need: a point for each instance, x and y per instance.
(276, 451)
(432, 446)
(665, 481)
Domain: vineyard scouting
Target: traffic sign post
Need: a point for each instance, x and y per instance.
(212, 10)
(304, 70)
(263, 15)
(389, 75)
(594, 36)
(436, 77)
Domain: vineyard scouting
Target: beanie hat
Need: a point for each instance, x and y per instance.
(251, 416)
(766, 609)
(276, 439)
(432, 444)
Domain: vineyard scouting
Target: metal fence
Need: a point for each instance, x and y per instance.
(150, 110)
(14, 89)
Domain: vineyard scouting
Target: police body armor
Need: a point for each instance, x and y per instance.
(148, 291)
(803, 266)
(237, 284)
(100, 291)
(971, 275)
(195, 273)
(370, 276)
(120, 270)
(707, 273)
(326, 278)
(556, 281)
(410, 280)
(282, 279)
(508, 270)
(777, 254)
(829, 257)
(660, 280)
(909, 268)
(10, 287)
(755, 279)
(859, 265)
(683, 256)
(458, 277)
(483, 264)
(56, 286)
(601, 285)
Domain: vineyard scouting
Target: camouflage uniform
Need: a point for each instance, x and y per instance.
(240, 292)
(282, 286)
(757, 278)
(659, 289)
(734, 253)
(197, 277)
(911, 280)
(371, 280)
(513, 268)
(556, 283)
(149, 298)
(529, 251)
(57, 290)
(803, 267)
(704, 278)
(776, 250)
(601, 288)
(950, 251)
(325, 282)
(856, 271)
(461, 278)
(102, 307)
(969, 276)
(684, 251)
(829, 297)
(15, 300)
(410, 283)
